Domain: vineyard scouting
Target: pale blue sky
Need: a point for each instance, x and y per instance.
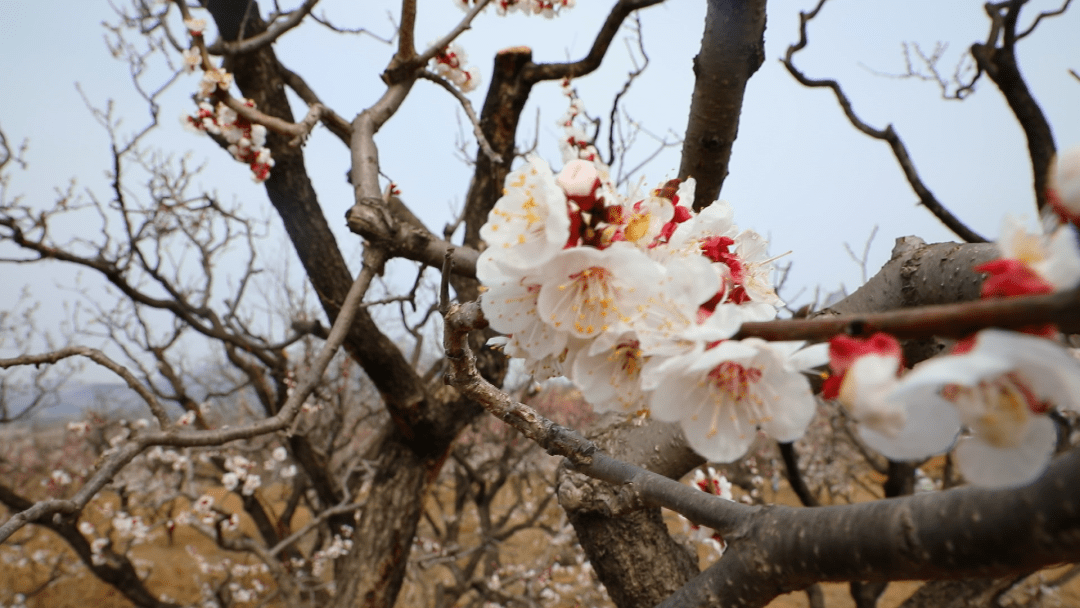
(800, 173)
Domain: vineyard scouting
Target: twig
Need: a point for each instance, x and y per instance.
(926, 197)
(467, 106)
(272, 33)
(373, 260)
(553, 71)
(1041, 16)
(636, 487)
(945, 320)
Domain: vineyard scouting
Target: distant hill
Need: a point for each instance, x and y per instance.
(76, 398)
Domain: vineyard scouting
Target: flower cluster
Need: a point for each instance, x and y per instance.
(240, 469)
(634, 298)
(450, 64)
(989, 398)
(711, 482)
(547, 8)
(575, 143)
(246, 141)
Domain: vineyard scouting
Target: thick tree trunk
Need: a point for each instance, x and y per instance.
(414, 443)
(635, 558)
(732, 49)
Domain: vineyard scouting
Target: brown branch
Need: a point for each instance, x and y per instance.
(913, 537)
(172, 436)
(271, 34)
(403, 68)
(534, 73)
(1001, 65)
(888, 135)
(947, 320)
(334, 123)
(406, 46)
(467, 106)
(101, 359)
(732, 50)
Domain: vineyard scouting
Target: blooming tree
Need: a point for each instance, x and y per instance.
(323, 456)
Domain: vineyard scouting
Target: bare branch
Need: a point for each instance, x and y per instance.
(101, 359)
(467, 106)
(926, 197)
(945, 320)
(1041, 16)
(272, 33)
(125, 453)
(553, 71)
(1001, 65)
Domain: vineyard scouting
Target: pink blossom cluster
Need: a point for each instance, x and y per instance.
(988, 400)
(450, 64)
(635, 299)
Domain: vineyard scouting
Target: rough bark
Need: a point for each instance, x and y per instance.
(424, 424)
(732, 49)
(634, 556)
(965, 532)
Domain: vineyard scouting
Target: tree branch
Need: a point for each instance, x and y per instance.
(126, 452)
(1001, 65)
(888, 135)
(534, 73)
(732, 50)
(268, 36)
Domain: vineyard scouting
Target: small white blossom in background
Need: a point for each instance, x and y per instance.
(230, 480)
(60, 478)
(195, 26)
(231, 523)
(251, 483)
(204, 508)
(340, 546)
(96, 547)
(192, 60)
(130, 526)
(79, 427)
(186, 419)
